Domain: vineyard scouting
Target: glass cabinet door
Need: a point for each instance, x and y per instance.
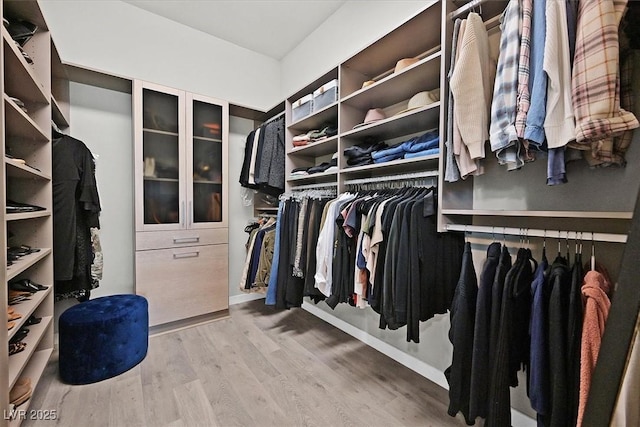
(161, 157)
(207, 188)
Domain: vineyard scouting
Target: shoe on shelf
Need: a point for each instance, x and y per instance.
(32, 320)
(14, 316)
(10, 325)
(21, 391)
(16, 347)
(27, 285)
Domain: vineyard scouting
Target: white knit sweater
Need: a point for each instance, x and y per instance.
(471, 86)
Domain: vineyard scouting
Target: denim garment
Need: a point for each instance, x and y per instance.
(422, 153)
(391, 151)
(418, 143)
(534, 130)
(389, 158)
(417, 146)
(270, 298)
(556, 172)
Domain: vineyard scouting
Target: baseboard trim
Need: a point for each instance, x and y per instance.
(239, 299)
(518, 419)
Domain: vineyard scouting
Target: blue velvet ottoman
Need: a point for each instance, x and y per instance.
(102, 338)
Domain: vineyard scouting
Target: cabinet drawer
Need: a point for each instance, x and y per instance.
(180, 238)
(183, 282)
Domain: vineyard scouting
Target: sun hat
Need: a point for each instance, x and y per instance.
(373, 115)
(404, 63)
(421, 99)
(368, 83)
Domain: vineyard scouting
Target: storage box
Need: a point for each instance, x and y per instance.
(302, 107)
(325, 95)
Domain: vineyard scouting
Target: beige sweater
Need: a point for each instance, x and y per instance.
(471, 85)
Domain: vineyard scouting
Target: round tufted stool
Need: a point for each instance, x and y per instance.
(102, 338)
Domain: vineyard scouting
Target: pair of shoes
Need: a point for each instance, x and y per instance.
(32, 320)
(13, 316)
(19, 336)
(17, 207)
(26, 285)
(21, 391)
(18, 296)
(16, 347)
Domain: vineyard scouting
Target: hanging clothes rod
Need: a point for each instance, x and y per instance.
(466, 8)
(400, 177)
(314, 186)
(490, 23)
(276, 117)
(550, 234)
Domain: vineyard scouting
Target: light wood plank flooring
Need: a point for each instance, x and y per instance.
(260, 367)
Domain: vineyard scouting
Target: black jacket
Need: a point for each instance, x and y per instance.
(462, 315)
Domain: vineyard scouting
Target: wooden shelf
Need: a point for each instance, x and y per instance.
(160, 132)
(315, 177)
(18, 361)
(202, 181)
(27, 215)
(20, 79)
(544, 214)
(24, 262)
(417, 35)
(20, 125)
(421, 76)
(153, 179)
(406, 123)
(57, 114)
(316, 149)
(399, 165)
(204, 138)
(18, 170)
(27, 308)
(316, 120)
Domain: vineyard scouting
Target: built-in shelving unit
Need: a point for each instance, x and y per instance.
(34, 93)
(181, 212)
(388, 87)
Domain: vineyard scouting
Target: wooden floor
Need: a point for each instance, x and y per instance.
(260, 367)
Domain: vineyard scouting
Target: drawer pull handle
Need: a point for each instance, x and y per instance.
(187, 255)
(178, 240)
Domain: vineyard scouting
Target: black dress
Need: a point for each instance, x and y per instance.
(76, 206)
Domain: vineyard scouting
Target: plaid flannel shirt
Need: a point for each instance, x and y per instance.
(502, 132)
(596, 83)
(523, 68)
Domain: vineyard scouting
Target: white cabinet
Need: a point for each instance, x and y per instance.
(180, 202)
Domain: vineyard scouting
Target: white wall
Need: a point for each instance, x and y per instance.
(119, 38)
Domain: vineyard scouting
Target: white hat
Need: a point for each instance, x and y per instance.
(422, 99)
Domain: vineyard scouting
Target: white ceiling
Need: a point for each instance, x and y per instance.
(272, 28)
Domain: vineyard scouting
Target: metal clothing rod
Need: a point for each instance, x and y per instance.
(489, 23)
(314, 186)
(466, 8)
(401, 177)
(529, 232)
(277, 116)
